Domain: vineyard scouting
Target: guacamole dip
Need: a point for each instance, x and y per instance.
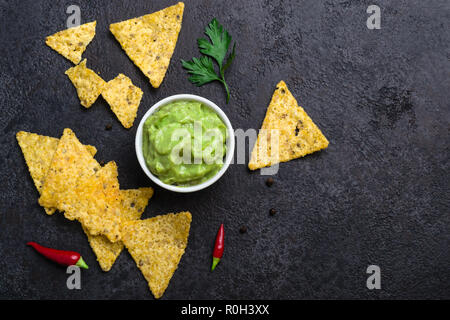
(184, 143)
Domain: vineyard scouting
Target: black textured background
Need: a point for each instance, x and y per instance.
(378, 195)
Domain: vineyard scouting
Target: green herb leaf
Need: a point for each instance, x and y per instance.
(229, 59)
(201, 70)
(220, 42)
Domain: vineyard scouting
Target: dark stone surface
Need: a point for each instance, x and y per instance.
(378, 195)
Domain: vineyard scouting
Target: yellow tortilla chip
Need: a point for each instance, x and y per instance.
(123, 97)
(70, 162)
(156, 245)
(95, 202)
(72, 42)
(38, 152)
(150, 40)
(75, 183)
(132, 206)
(287, 128)
(89, 85)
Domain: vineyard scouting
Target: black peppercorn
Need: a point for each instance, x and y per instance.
(269, 182)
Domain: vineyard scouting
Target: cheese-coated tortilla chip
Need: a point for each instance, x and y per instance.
(76, 183)
(157, 245)
(287, 132)
(150, 40)
(132, 206)
(89, 85)
(124, 98)
(72, 42)
(94, 200)
(70, 161)
(38, 152)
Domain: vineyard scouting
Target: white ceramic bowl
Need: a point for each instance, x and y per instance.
(229, 142)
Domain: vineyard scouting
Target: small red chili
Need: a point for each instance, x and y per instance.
(65, 258)
(218, 247)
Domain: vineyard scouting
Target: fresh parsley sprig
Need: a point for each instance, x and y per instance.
(202, 70)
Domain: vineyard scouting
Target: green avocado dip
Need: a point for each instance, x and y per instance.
(184, 143)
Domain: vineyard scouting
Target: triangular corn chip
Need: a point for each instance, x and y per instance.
(89, 85)
(71, 161)
(76, 183)
(150, 40)
(124, 98)
(132, 206)
(72, 42)
(156, 245)
(38, 152)
(95, 202)
(287, 132)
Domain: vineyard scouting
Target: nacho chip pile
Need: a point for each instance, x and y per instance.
(38, 152)
(132, 205)
(149, 41)
(71, 43)
(69, 179)
(120, 93)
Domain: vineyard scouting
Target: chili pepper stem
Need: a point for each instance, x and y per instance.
(215, 263)
(80, 263)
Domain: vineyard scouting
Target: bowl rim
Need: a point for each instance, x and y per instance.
(230, 142)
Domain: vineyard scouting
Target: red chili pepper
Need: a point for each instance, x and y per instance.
(218, 247)
(66, 258)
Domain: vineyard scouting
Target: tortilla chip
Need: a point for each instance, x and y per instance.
(75, 183)
(38, 152)
(156, 245)
(123, 97)
(132, 206)
(71, 161)
(150, 40)
(297, 133)
(95, 202)
(88, 84)
(72, 42)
